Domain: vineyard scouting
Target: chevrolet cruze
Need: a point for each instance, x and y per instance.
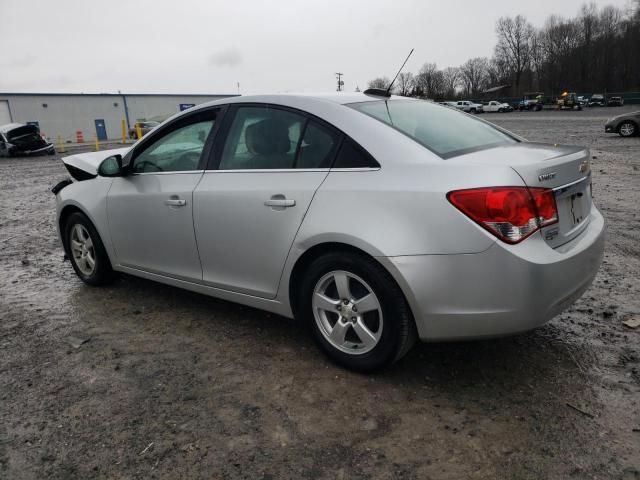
(375, 220)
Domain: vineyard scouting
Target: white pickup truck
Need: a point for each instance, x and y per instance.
(469, 107)
(494, 106)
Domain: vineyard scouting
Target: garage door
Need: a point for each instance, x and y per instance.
(4, 112)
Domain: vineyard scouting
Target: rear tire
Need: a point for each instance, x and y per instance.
(358, 314)
(86, 251)
(627, 129)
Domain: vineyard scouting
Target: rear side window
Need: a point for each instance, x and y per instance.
(262, 138)
(318, 147)
(351, 155)
(444, 131)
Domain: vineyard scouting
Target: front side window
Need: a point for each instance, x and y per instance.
(178, 151)
(444, 131)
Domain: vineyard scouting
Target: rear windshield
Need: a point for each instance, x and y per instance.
(442, 130)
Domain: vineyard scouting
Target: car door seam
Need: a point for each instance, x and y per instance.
(193, 225)
(295, 236)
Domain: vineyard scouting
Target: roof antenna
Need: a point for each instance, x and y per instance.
(394, 78)
(386, 93)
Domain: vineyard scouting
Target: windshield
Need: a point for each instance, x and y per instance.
(444, 131)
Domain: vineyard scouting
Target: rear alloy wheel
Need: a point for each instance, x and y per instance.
(358, 314)
(627, 129)
(86, 251)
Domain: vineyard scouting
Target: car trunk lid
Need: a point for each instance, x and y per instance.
(564, 169)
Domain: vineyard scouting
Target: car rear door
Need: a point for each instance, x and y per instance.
(266, 167)
(150, 210)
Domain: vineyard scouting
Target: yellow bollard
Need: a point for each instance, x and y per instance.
(123, 124)
(60, 144)
(97, 144)
(138, 131)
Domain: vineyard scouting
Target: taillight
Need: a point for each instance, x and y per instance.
(510, 213)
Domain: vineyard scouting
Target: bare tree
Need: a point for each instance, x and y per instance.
(405, 83)
(513, 50)
(429, 81)
(474, 74)
(450, 81)
(380, 82)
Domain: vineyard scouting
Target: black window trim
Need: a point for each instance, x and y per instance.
(175, 124)
(215, 155)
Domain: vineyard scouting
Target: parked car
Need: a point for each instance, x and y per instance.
(469, 107)
(145, 127)
(625, 125)
(373, 219)
(597, 101)
(583, 101)
(448, 104)
(531, 101)
(615, 102)
(19, 139)
(494, 106)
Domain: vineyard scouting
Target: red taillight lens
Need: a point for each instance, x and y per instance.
(510, 213)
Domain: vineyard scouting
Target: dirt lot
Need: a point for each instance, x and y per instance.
(171, 384)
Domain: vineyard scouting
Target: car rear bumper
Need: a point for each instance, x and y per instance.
(504, 290)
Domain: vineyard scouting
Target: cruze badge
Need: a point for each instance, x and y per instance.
(584, 166)
(546, 176)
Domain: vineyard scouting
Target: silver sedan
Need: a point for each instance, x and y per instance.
(376, 220)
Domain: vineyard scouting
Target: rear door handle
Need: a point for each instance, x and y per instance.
(175, 202)
(279, 201)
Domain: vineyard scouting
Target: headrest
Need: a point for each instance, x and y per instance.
(267, 137)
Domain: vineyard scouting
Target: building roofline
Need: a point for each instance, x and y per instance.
(41, 94)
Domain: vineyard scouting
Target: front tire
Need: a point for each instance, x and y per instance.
(86, 251)
(627, 129)
(357, 312)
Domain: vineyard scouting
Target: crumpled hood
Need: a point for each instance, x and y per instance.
(90, 161)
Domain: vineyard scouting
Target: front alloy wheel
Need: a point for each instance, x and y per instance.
(82, 249)
(627, 129)
(86, 251)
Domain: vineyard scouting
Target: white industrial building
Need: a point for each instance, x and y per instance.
(94, 115)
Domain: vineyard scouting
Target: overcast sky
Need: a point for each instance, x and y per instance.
(188, 46)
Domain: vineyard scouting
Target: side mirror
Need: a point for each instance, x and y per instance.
(111, 167)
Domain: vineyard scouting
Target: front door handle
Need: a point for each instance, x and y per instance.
(175, 202)
(279, 201)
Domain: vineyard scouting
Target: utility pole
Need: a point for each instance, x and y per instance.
(340, 82)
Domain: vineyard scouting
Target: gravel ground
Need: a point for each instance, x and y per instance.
(171, 384)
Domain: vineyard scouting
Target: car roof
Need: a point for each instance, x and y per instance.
(340, 98)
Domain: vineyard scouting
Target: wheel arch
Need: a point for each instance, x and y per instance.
(319, 249)
(68, 210)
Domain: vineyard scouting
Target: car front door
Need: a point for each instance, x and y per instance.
(250, 204)
(150, 210)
